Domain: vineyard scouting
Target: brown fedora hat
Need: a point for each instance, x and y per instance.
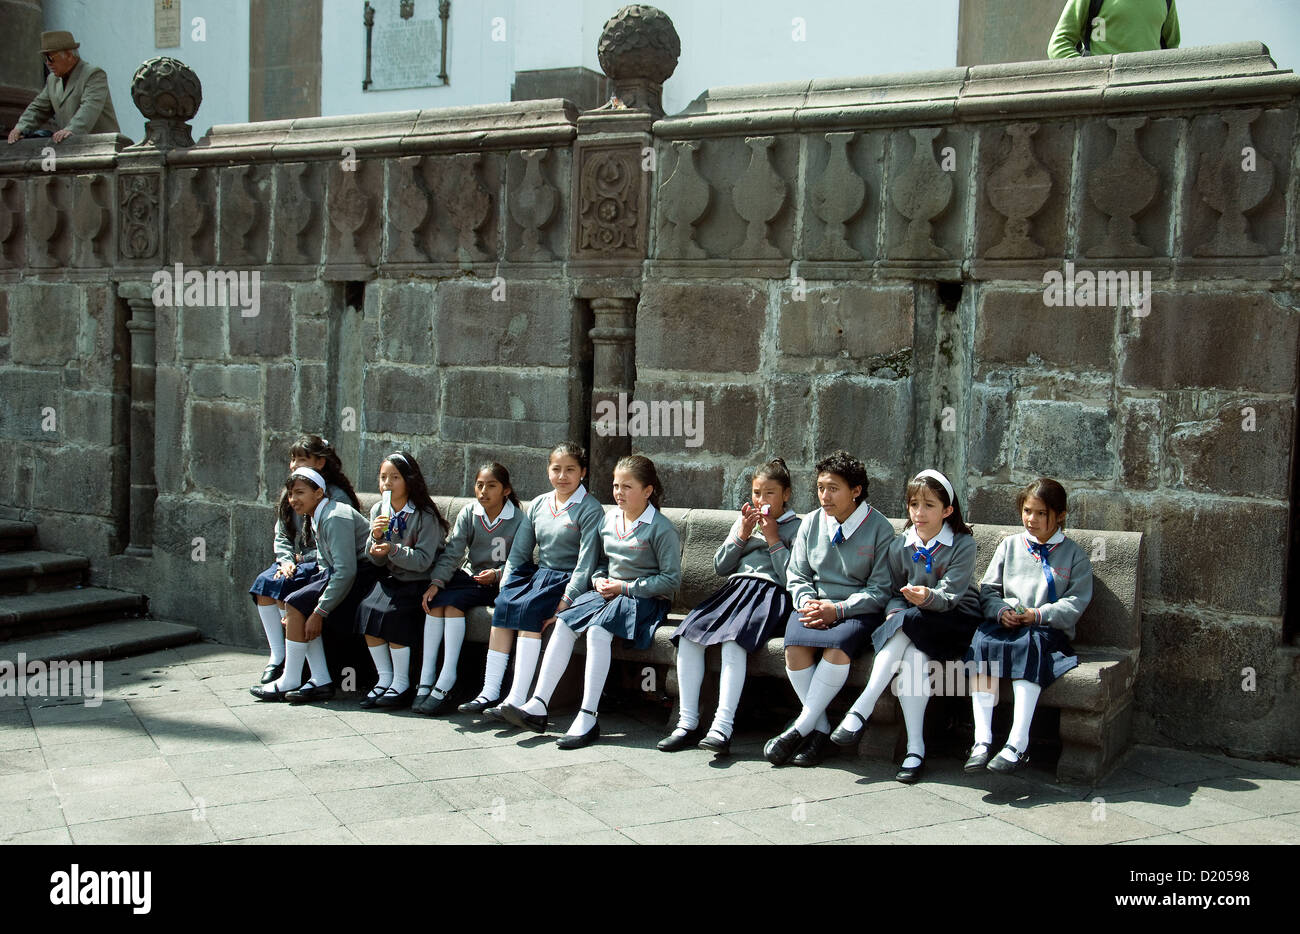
(58, 40)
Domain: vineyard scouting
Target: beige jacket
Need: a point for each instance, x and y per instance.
(80, 103)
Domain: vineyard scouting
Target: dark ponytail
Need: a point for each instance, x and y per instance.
(501, 476)
(643, 469)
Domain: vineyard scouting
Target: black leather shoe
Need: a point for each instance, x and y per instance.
(272, 673)
(529, 721)
(495, 713)
(586, 739)
(813, 749)
(716, 743)
(979, 758)
(309, 693)
(1003, 767)
(392, 699)
(779, 749)
(372, 698)
(910, 776)
(268, 694)
(431, 706)
(843, 737)
(675, 741)
(477, 705)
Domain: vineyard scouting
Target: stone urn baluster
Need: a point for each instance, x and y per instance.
(837, 197)
(1018, 189)
(683, 199)
(1232, 191)
(533, 206)
(758, 197)
(921, 193)
(1122, 187)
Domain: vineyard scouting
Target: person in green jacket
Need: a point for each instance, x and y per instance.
(1117, 26)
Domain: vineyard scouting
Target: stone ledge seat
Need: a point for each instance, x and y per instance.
(1095, 699)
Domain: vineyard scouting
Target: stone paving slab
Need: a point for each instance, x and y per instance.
(179, 752)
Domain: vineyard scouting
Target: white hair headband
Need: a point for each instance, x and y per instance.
(943, 482)
(311, 475)
(397, 456)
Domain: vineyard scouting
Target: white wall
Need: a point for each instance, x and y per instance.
(1276, 23)
(117, 35)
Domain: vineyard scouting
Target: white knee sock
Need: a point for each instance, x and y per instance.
(383, 660)
(883, 667)
(494, 672)
(690, 677)
(401, 669)
(450, 655)
(527, 651)
(981, 705)
(826, 683)
(801, 680)
(1025, 696)
(270, 616)
(734, 665)
(913, 696)
(295, 653)
(558, 653)
(599, 645)
(320, 669)
(433, 626)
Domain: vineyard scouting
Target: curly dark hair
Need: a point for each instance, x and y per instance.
(846, 466)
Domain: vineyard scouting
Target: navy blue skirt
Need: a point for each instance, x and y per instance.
(849, 635)
(343, 619)
(944, 636)
(268, 585)
(1039, 654)
(463, 592)
(529, 597)
(631, 618)
(746, 610)
(393, 610)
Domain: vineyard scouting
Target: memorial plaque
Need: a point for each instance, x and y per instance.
(405, 45)
(167, 24)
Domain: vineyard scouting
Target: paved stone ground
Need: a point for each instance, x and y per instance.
(180, 753)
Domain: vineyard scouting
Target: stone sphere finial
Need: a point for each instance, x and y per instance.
(639, 48)
(168, 93)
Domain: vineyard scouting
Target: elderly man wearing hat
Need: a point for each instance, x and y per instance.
(75, 93)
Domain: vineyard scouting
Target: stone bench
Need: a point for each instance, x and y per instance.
(1095, 699)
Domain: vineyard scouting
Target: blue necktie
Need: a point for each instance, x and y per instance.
(396, 527)
(929, 556)
(838, 537)
(1043, 551)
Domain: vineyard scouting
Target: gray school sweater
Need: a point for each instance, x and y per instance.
(567, 540)
(485, 547)
(647, 557)
(414, 554)
(854, 574)
(341, 539)
(1016, 575)
(951, 579)
(290, 542)
(752, 557)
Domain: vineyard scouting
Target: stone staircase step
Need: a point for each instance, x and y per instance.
(101, 642)
(16, 535)
(29, 571)
(43, 612)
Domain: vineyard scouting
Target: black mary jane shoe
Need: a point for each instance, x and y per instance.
(432, 706)
(675, 741)
(496, 712)
(912, 775)
(271, 673)
(1003, 767)
(369, 701)
(812, 751)
(516, 716)
(310, 693)
(979, 757)
(843, 737)
(268, 694)
(716, 743)
(478, 705)
(394, 699)
(586, 739)
(779, 749)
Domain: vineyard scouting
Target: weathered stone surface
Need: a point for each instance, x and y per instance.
(310, 338)
(203, 333)
(532, 327)
(24, 394)
(180, 522)
(502, 407)
(871, 419)
(313, 404)
(1065, 440)
(242, 383)
(990, 414)
(245, 212)
(405, 316)
(1024, 177)
(1017, 328)
(1242, 450)
(79, 534)
(536, 180)
(275, 464)
(88, 417)
(847, 326)
(225, 448)
(927, 204)
(671, 318)
(103, 347)
(45, 320)
(277, 410)
(74, 479)
(267, 333)
(718, 419)
(1140, 443)
(687, 485)
(788, 418)
(401, 400)
(443, 466)
(527, 466)
(843, 195)
(314, 299)
(723, 230)
(170, 388)
(1224, 340)
(1127, 186)
(252, 534)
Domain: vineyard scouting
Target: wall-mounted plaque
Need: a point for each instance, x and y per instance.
(406, 43)
(167, 24)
